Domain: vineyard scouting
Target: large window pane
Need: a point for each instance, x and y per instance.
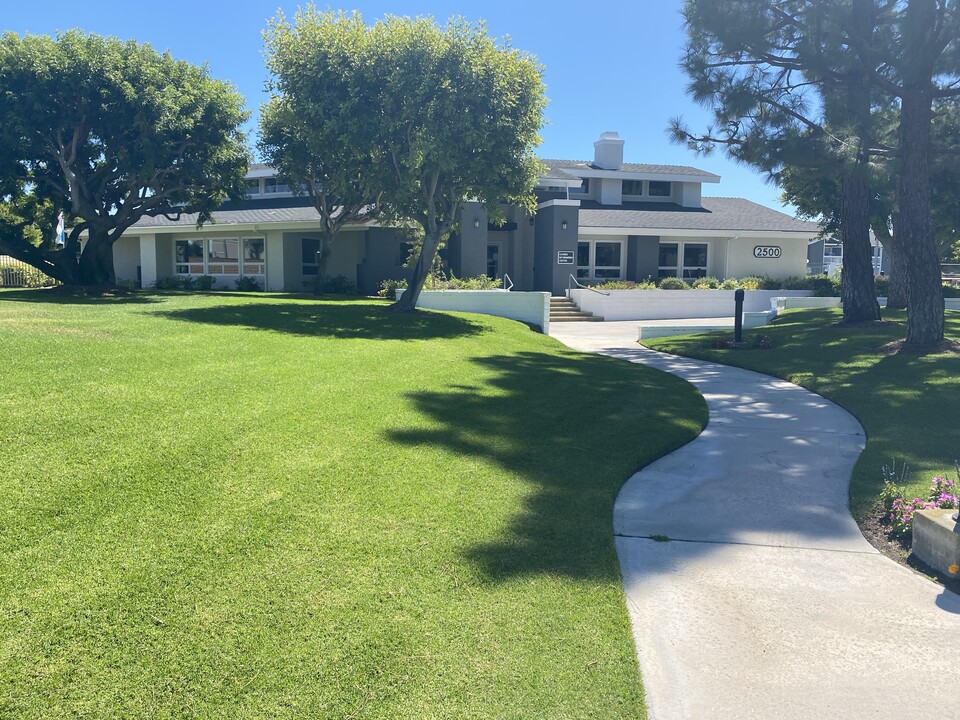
(660, 188)
(669, 255)
(189, 257)
(309, 249)
(607, 255)
(224, 256)
(694, 260)
(583, 254)
(633, 187)
(253, 256)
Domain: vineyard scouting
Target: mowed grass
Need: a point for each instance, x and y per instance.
(908, 405)
(247, 507)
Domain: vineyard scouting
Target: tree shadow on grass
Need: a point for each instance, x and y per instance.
(332, 320)
(574, 427)
(47, 297)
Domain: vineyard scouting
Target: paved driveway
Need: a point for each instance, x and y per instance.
(766, 601)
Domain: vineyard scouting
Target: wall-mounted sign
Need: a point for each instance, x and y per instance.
(767, 251)
(565, 257)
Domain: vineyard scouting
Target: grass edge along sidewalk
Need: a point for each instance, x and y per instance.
(908, 405)
(230, 506)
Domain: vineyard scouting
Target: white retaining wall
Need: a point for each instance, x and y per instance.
(528, 307)
(673, 304)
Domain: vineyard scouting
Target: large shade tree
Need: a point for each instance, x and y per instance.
(110, 131)
(461, 115)
(317, 129)
(787, 90)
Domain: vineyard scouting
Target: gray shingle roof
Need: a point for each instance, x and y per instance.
(717, 213)
(280, 210)
(561, 165)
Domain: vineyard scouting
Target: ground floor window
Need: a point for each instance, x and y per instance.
(220, 256)
(600, 259)
(310, 253)
(493, 260)
(693, 254)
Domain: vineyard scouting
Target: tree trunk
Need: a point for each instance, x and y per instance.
(897, 287)
(857, 290)
(96, 260)
(917, 246)
(408, 300)
(323, 259)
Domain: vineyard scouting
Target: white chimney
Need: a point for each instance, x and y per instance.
(608, 151)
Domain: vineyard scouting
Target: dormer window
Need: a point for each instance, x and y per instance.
(633, 187)
(253, 187)
(660, 188)
(273, 185)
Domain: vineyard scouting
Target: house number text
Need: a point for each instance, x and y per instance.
(766, 251)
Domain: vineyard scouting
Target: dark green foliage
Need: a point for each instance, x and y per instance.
(339, 285)
(673, 283)
(248, 284)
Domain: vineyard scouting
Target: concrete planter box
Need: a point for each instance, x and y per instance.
(936, 539)
(528, 307)
(674, 304)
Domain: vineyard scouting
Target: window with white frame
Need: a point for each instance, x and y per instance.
(220, 256)
(694, 260)
(274, 186)
(687, 260)
(669, 256)
(633, 187)
(253, 187)
(659, 188)
(600, 259)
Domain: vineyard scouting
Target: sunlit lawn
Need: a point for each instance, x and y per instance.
(252, 507)
(908, 405)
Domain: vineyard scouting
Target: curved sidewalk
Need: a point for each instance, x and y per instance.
(767, 602)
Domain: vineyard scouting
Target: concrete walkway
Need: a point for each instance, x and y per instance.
(767, 602)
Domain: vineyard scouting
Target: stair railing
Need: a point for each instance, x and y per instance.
(506, 279)
(582, 287)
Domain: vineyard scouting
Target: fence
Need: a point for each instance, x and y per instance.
(17, 274)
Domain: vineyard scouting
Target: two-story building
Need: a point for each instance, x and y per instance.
(595, 221)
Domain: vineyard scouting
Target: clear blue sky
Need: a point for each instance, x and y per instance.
(609, 66)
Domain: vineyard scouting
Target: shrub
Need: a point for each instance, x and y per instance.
(882, 284)
(823, 286)
(751, 282)
(615, 285)
(204, 282)
(900, 510)
(730, 284)
(673, 283)
(175, 282)
(706, 283)
(339, 285)
(246, 284)
(951, 291)
(388, 288)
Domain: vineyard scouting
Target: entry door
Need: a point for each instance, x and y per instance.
(493, 260)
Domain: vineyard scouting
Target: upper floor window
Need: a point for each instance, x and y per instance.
(253, 186)
(584, 188)
(660, 188)
(273, 185)
(633, 187)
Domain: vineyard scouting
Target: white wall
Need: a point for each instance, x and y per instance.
(126, 258)
(791, 263)
(528, 307)
(673, 304)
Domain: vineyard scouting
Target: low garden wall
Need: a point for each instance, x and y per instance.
(674, 304)
(528, 307)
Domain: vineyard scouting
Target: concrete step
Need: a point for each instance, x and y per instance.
(578, 318)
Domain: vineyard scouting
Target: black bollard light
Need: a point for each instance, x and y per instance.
(738, 316)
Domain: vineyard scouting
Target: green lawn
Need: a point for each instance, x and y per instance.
(908, 405)
(249, 507)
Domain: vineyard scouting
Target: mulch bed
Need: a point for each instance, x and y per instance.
(877, 533)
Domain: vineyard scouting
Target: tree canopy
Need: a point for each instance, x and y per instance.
(316, 129)
(801, 84)
(110, 131)
(421, 116)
